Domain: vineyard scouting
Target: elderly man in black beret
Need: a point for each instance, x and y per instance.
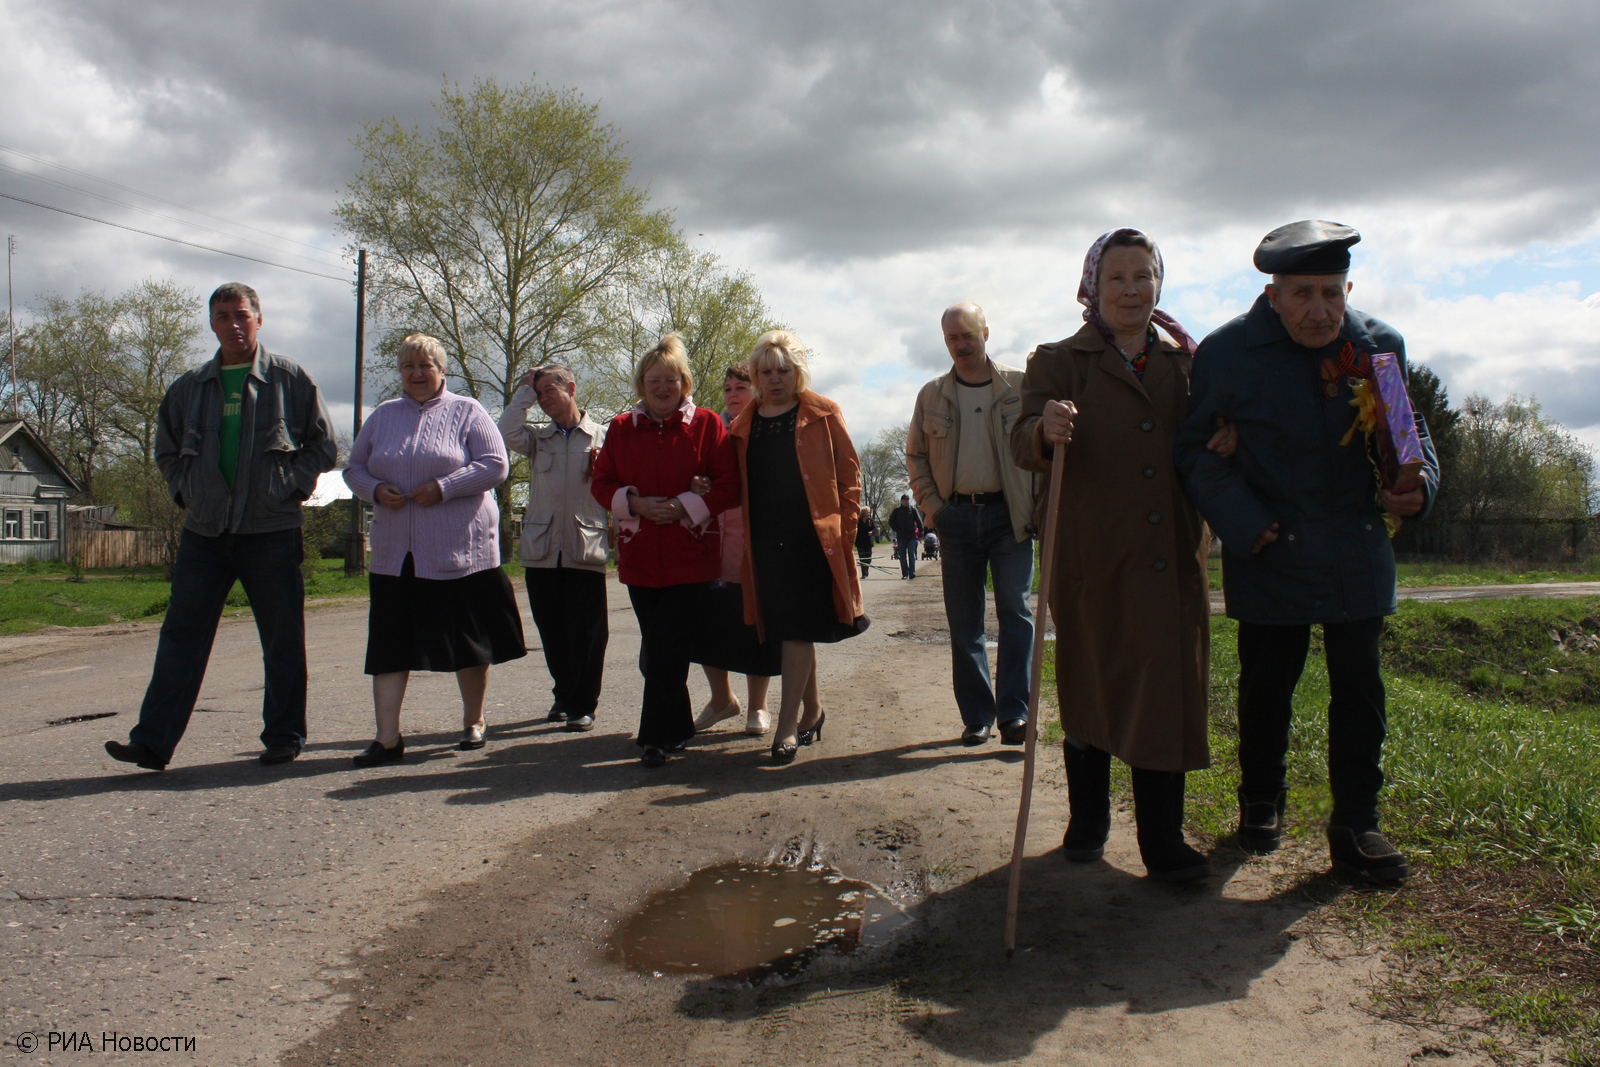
(1302, 520)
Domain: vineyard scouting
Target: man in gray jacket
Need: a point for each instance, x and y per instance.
(240, 441)
(563, 545)
(981, 503)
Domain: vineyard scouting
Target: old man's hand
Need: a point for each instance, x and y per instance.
(1058, 416)
(1404, 504)
(1264, 538)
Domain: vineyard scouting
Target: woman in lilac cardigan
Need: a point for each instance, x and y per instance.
(440, 601)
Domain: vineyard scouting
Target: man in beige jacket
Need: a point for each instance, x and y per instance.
(563, 544)
(981, 504)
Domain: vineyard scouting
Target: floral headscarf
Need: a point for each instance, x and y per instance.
(1089, 290)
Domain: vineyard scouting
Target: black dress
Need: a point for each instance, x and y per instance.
(793, 580)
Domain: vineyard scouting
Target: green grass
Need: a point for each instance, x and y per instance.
(36, 595)
(1493, 768)
(1424, 575)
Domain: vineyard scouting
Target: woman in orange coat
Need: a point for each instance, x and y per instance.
(802, 493)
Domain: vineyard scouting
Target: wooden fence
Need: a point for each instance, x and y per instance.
(125, 546)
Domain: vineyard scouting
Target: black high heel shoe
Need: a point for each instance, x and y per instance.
(784, 751)
(815, 733)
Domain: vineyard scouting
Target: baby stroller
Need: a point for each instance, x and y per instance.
(930, 545)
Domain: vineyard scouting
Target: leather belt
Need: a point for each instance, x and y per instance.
(978, 500)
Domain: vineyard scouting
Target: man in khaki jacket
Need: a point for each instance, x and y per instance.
(981, 504)
(563, 544)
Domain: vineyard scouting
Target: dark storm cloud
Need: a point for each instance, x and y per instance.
(849, 129)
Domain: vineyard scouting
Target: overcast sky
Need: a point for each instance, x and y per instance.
(871, 163)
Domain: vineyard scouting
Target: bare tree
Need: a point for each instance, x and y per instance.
(883, 470)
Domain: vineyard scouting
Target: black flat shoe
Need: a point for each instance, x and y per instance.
(653, 757)
(276, 754)
(135, 753)
(376, 754)
(1014, 732)
(784, 752)
(815, 733)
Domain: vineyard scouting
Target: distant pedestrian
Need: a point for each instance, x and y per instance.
(563, 547)
(866, 537)
(240, 441)
(643, 473)
(439, 601)
(905, 522)
(802, 494)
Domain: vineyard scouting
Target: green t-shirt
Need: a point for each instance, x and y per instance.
(228, 433)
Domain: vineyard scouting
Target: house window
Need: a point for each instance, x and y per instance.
(13, 526)
(41, 526)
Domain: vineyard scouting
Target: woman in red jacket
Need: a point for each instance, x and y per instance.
(642, 474)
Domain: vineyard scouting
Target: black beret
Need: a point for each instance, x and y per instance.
(1309, 247)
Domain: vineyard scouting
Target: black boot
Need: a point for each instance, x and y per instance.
(1158, 814)
(1089, 794)
(1261, 820)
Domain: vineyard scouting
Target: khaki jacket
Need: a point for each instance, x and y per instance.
(931, 447)
(563, 524)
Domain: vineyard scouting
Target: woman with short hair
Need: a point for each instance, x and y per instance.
(643, 474)
(801, 488)
(439, 601)
(727, 642)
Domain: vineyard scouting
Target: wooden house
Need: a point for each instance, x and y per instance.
(34, 488)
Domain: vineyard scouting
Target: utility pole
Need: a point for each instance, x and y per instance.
(355, 550)
(11, 324)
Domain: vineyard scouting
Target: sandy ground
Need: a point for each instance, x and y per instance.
(455, 909)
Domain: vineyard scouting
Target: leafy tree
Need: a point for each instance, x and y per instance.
(883, 470)
(503, 230)
(719, 315)
(66, 370)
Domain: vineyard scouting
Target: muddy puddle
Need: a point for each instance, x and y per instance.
(747, 922)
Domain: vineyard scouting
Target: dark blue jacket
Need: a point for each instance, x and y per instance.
(1332, 561)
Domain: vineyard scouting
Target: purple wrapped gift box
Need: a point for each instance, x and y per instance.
(1399, 447)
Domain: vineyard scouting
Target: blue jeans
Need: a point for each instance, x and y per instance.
(973, 543)
(268, 566)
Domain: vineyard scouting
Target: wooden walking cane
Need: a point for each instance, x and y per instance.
(1046, 565)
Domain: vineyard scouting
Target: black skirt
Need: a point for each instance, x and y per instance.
(422, 624)
(725, 641)
(793, 579)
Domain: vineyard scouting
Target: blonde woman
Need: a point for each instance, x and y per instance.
(801, 488)
(643, 474)
(439, 601)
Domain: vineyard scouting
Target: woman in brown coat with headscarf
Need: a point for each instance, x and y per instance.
(1129, 590)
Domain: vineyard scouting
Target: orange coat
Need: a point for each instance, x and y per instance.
(832, 475)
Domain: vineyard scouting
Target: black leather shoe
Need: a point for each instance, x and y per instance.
(279, 754)
(376, 754)
(805, 737)
(135, 753)
(1014, 732)
(580, 724)
(653, 757)
(976, 735)
(555, 715)
(1261, 821)
(1366, 856)
(784, 752)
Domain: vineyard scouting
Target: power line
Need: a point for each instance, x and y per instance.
(157, 199)
(174, 240)
(149, 211)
